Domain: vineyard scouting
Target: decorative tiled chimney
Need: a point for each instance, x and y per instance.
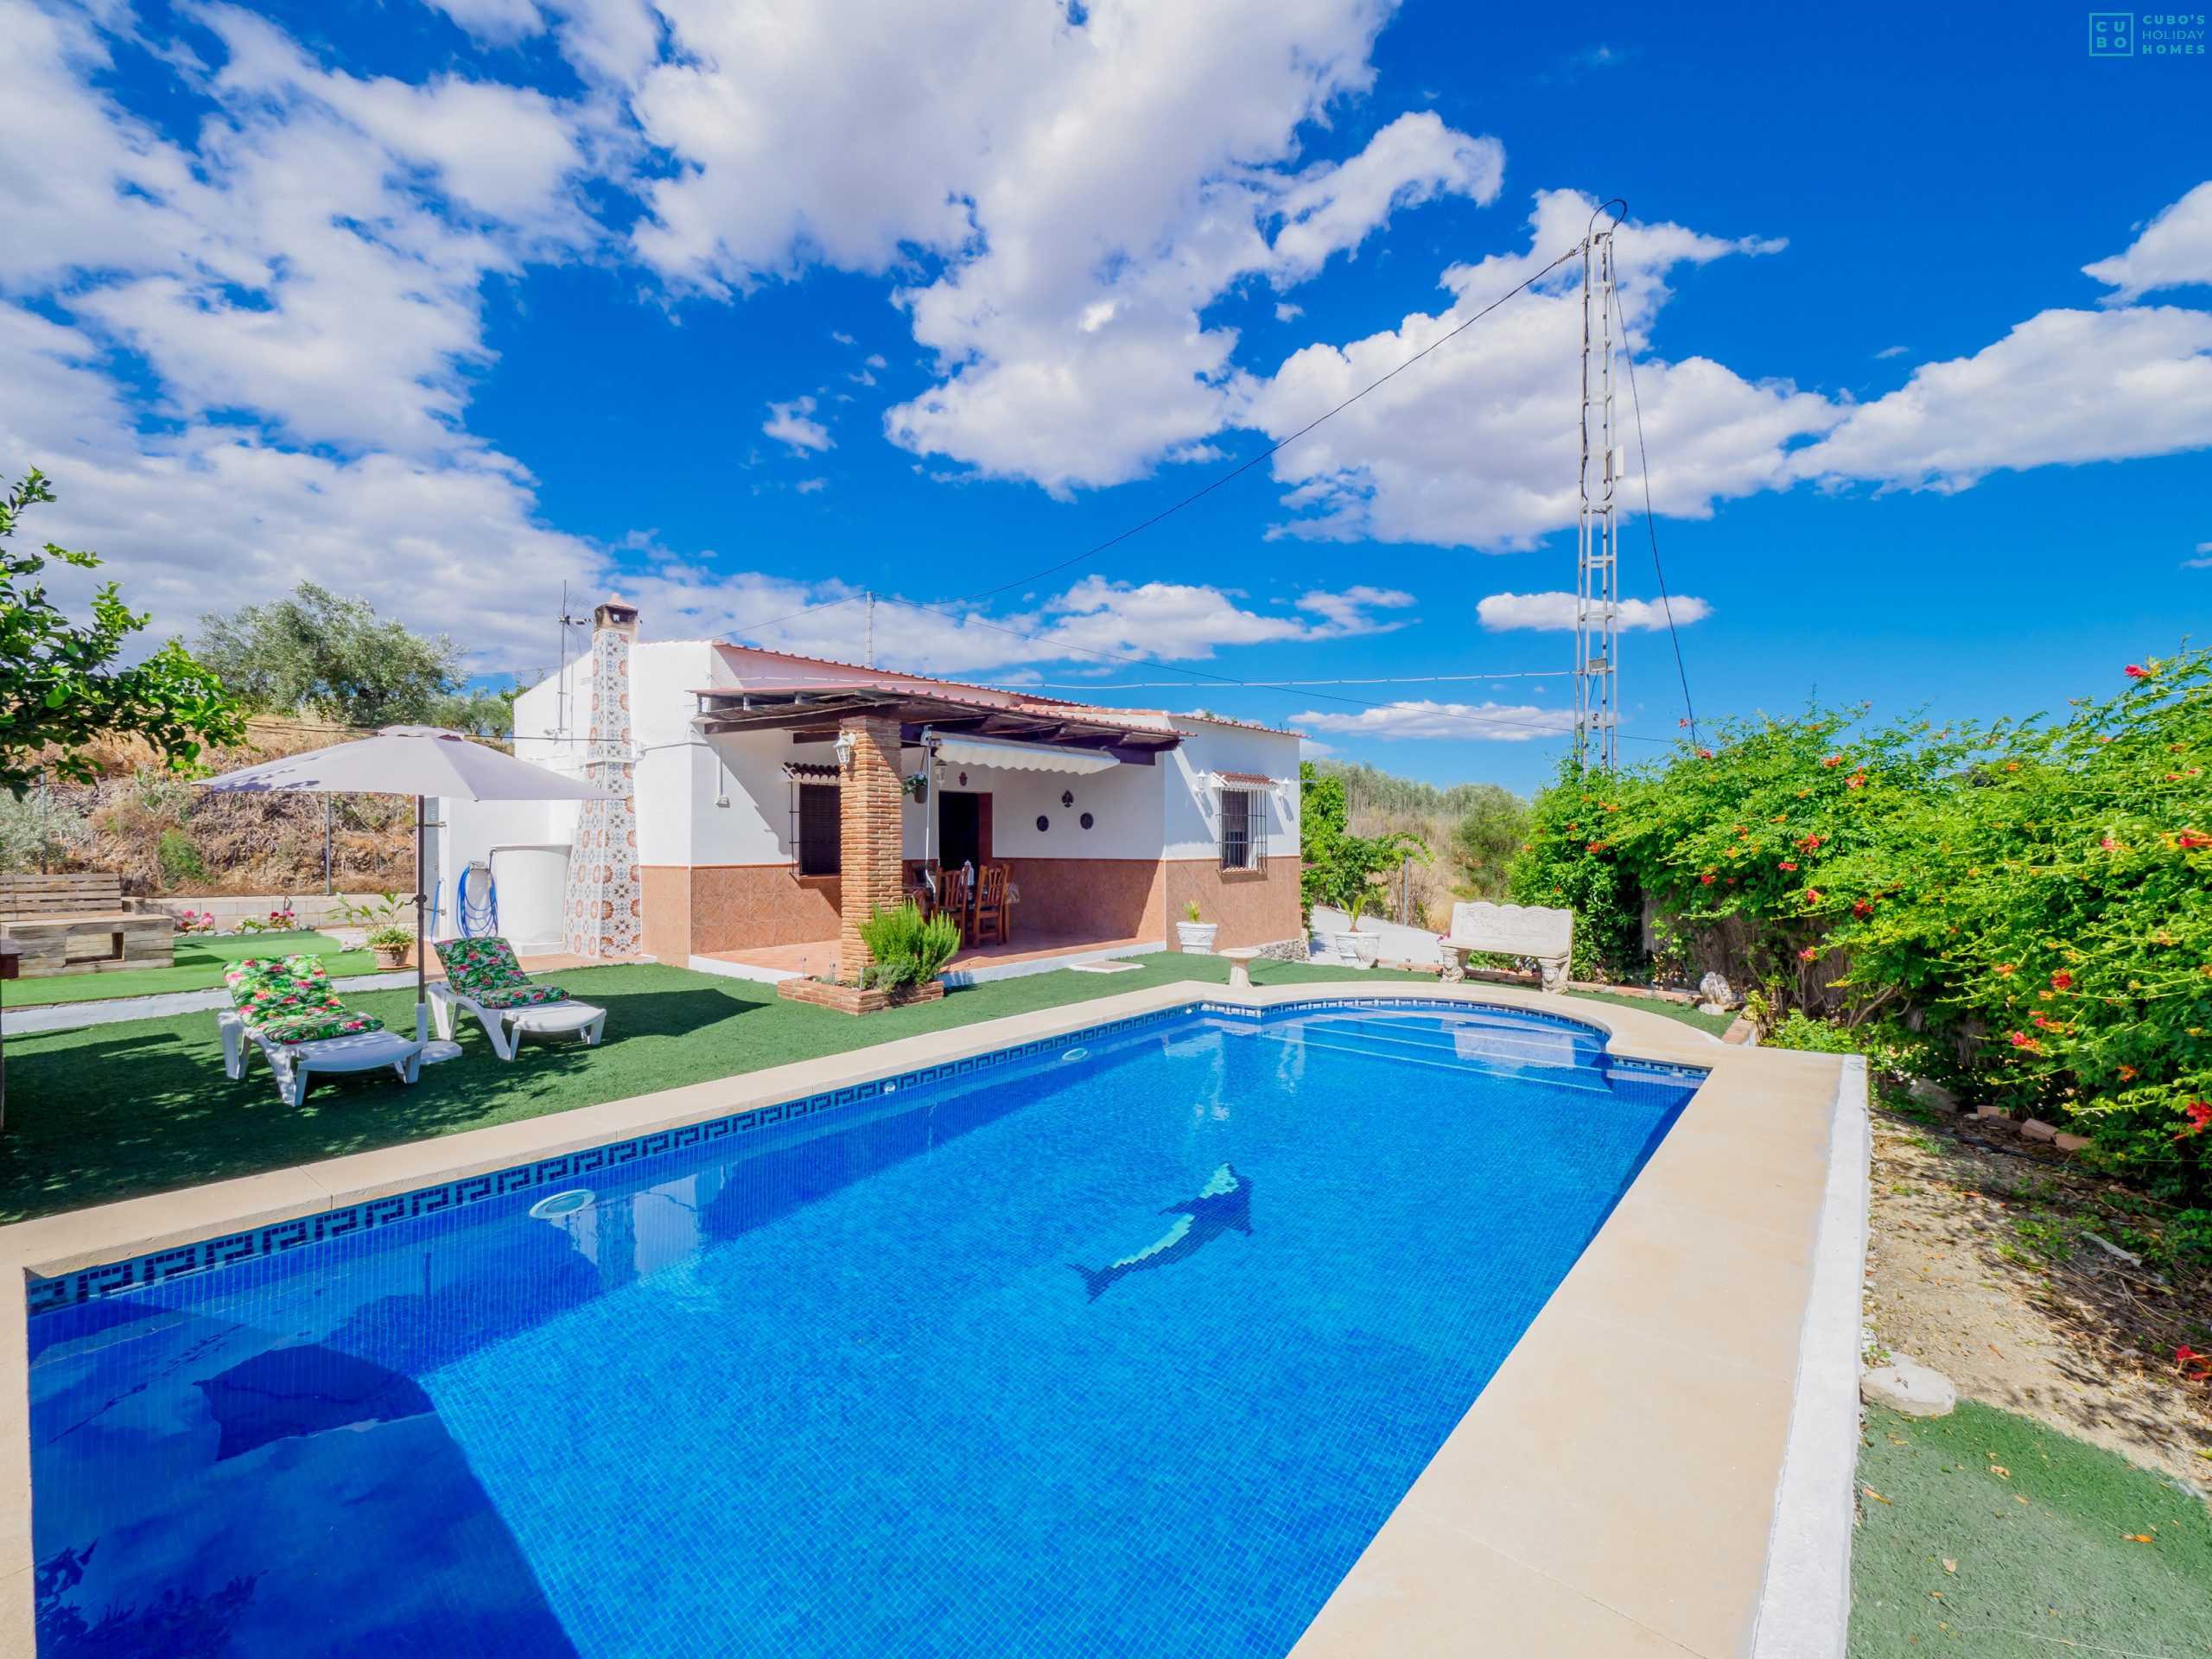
(604, 910)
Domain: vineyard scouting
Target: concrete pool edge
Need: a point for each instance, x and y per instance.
(1805, 1607)
(54, 1245)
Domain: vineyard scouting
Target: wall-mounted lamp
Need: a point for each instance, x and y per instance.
(846, 743)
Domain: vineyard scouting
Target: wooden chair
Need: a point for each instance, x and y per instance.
(990, 905)
(955, 895)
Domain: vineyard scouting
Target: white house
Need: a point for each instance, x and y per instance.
(763, 799)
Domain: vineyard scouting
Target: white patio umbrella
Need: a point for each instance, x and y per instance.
(418, 760)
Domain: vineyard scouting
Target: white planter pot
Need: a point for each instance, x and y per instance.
(1358, 949)
(1196, 938)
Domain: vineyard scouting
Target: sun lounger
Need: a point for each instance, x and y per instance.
(483, 979)
(286, 1007)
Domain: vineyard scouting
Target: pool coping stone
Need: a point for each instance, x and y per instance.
(1536, 1492)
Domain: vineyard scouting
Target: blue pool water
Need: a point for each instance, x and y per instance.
(1127, 1347)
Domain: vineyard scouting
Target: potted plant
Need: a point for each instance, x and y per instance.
(393, 945)
(1194, 936)
(1356, 949)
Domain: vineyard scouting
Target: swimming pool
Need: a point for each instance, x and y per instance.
(1122, 1343)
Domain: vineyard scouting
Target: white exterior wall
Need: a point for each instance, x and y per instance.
(1169, 809)
(1193, 823)
(1124, 802)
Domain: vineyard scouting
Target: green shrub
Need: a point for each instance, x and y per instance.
(2020, 911)
(180, 859)
(908, 950)
(37, 830)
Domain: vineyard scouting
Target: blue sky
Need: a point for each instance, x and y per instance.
(743, 311)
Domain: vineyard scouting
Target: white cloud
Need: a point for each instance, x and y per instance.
(2175, 248)
(1089, 189)
(1555, 613)
(2064, 387)
(1491, 721)
(298, 285)
(308, 275)
(1476, 446)
(2199, 564)
(496, 22)
(787, 423)
(1893, 351)
(1416, 158)
(1093, 622)
(1286, 312)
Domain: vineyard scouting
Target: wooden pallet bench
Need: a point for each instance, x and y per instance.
(81, 924)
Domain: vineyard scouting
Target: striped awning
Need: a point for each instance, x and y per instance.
(1020, 756)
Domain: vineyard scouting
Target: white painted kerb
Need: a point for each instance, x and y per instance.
(1805, 1602)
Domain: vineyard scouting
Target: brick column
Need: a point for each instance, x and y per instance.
(869, 837)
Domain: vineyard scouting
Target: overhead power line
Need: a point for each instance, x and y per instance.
(1234, 472)
(1180, 685)
(1243, 467)
(1651, 522)
(1222, 680)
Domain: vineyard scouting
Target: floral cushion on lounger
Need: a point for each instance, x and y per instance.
(290, 1000)
(486, 972)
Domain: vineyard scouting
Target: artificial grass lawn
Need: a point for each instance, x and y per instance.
(100, 1113)
(200, 960)
(2062, 1570)
(1712, 1024)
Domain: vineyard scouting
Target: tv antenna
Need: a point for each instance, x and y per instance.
(562, 698)
(1597, 592)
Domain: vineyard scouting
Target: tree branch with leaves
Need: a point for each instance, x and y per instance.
(60, 685)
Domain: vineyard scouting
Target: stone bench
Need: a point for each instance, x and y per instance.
(1510, 930)
(81, 924)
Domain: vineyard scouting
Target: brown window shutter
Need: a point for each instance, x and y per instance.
(984, 828)
(821, 849)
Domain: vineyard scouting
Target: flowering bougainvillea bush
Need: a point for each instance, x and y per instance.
(2026, 906)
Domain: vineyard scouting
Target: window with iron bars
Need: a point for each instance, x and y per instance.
(1244, 829)
(821, 843)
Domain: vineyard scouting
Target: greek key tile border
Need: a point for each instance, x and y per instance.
(204, 1256)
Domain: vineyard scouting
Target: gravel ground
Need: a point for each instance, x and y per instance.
(1981, 1265)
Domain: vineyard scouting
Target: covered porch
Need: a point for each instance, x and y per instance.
(896, 816)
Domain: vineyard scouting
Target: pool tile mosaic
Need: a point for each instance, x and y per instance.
(1117, 1357)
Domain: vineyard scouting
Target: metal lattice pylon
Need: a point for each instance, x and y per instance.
(1597, 595)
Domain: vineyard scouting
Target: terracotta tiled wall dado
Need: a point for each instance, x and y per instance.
(1253, 907)
(1109, 898)
(735, 907)
(738, 907)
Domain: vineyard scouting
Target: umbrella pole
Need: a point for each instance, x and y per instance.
(422, 966)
